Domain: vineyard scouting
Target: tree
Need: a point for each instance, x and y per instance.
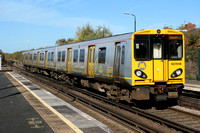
(102, 32)
(61, 41)
(186, 26)
(192, 35)
(166, 27)
(70, 40)
(190, 26)
(182, 27)
(192, 38)
(87, 32)
(84, 33)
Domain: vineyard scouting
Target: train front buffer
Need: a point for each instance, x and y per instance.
(158, 64)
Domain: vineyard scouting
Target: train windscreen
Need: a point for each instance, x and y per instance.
(150, 47)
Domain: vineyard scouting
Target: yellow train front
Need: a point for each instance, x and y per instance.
(158, 66)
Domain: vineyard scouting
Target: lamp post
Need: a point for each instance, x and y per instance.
(28, 45)
(134, 20)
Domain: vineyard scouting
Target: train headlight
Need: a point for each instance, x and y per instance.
(140, 74)
(177, 73)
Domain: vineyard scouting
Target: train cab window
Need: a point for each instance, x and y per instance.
(157, 50)
(75, 59)
(102, 55)
(82, 55)
(49, 56)
(59, 56)
(175, 47)
(141, 47)
(52, 56)
(123, 54)
(63, 56)
(141, 50)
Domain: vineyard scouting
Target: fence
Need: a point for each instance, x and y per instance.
(192, 64)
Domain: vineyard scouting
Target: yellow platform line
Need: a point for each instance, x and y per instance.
(75, 128)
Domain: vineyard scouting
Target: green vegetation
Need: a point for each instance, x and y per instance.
(192, 44)
(17, 56)
(86, 32)
(2, 56)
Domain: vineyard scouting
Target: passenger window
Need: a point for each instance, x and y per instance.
(94, 55)
(40, 56)
(82, 55)
(52, 56)
(75, 55)
(90, 55)
(63, 56)
(49, 56)
(59, 56)
(123, 55)
(102, 55)
(35, 56)
(30, 57)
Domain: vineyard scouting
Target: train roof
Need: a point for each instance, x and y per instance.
(117, 37)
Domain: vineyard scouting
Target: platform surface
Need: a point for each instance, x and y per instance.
(192, 85)
(72, 119)
(16, 114)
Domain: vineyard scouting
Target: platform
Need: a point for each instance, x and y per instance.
(192, 85)
(25, 107)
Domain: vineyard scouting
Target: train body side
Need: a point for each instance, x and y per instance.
(111, 68)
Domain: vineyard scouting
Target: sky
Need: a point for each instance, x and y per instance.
(42, 22)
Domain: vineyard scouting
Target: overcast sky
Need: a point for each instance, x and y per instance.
(45, 21)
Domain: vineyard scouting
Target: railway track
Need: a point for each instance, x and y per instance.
(190, 99)
(150, 120)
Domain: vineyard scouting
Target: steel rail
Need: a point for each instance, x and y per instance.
(128, 119)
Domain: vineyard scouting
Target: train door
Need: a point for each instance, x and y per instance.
(28, 59)
(91, 60)
(45, 59)
(119, 60)
(24, 58)
(38, 57)
(69, 60)
(158, 61)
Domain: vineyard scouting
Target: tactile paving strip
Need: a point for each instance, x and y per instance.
(52, 119)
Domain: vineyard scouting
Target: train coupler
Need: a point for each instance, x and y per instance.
(161, 98)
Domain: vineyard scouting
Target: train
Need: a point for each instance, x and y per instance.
(141, 66)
